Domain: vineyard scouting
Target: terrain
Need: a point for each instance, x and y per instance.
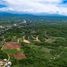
(43, 40)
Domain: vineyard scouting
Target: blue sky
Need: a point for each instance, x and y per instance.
(34, 6)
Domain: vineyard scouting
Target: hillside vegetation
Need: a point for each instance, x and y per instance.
(44, 44)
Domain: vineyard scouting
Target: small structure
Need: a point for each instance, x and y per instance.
(5, 63)
(1, 63)
(1, 26)
(15, 24)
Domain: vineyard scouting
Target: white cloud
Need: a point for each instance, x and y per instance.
(35, 6)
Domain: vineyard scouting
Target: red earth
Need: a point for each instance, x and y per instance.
(14, 45)
(19, 56)
(11, 45)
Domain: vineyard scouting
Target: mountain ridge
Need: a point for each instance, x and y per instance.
(21, 14)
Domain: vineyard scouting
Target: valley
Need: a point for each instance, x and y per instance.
(37, 43)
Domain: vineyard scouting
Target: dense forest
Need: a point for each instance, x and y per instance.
(43, 42)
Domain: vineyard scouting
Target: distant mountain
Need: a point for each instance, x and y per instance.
(12, 14)
(46, 17)
(28, 14)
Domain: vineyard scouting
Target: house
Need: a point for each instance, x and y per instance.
(5, 63)
(1, 63)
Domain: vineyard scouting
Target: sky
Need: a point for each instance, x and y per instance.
(34, 6)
